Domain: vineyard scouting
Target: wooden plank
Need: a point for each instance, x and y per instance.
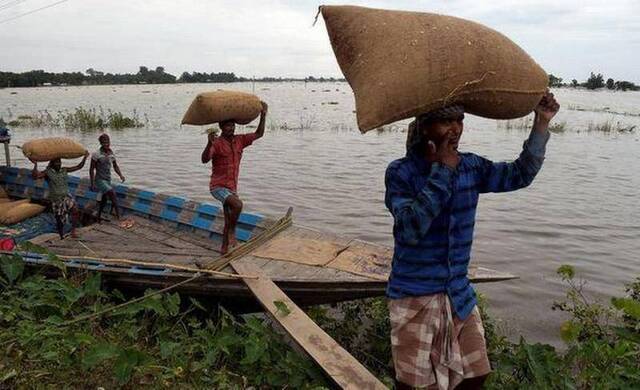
(344, 369)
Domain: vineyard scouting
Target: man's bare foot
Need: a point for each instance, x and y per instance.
(224, 249)
(74, 234)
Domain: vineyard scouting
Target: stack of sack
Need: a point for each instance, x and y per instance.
(403, 64)
(17, 211)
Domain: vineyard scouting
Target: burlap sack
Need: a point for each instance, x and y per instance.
(218, 106)
(20, 212)
(6, 206)
(401, 64)
(46, 149)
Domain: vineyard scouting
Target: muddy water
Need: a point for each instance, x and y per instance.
(581, 210)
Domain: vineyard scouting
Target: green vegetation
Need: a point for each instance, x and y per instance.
(163, 341)
(595, 81)
(36, 78)
(173, 341)
(80, 119)
(603, 346)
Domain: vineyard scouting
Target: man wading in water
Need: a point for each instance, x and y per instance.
(225, 153)
(436, 332)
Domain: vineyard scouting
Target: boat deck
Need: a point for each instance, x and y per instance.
(154, 242)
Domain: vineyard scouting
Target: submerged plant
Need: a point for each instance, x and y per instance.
(80, 119)
(610, 127)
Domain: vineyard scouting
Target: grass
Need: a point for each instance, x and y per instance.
(517, 124)
(610, 127)
(80, 119)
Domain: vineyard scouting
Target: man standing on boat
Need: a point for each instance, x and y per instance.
(225, 153)
(62, 203)
(436, 332)
(100, 174)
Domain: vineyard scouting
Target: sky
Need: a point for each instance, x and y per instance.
(568, 38)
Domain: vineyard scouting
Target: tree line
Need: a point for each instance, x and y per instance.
(595, 81)
(36, 78)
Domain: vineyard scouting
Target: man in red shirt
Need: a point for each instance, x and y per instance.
(225, 153)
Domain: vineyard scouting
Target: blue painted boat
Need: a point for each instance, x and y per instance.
(169, 238)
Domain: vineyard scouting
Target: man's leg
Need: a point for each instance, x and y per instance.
(75, 220)
(103, 202)
(60, 226)
(114, 202)
(235, 208)
(225, 236)
(473, 348)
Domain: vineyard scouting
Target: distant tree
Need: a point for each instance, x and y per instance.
(90, 72)
(610, 83)
(143, 71)
(626, 85)
(160, 69)
(555, 81)
(595, 81)
(574, 83)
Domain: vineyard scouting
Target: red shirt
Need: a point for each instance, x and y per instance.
(225, 160)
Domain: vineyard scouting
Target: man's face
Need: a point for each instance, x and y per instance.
(105, 143)
(439, 130)
(56, 164)
(228, 128)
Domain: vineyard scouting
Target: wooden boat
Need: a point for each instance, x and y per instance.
(167, 239)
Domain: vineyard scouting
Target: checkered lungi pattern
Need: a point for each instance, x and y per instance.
(431, 347)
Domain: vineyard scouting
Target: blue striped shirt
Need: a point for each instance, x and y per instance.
(434, 208)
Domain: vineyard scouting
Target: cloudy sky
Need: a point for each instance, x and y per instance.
(276, 38)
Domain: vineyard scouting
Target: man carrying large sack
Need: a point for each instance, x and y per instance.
(436, 332)
(225, 153)
(100, 174)
(63, 204)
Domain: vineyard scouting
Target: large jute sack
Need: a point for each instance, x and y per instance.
(6, 206)
(218, 106)
(20, 212)
(401, 64)
(46, 149)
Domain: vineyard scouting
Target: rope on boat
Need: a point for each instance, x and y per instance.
(136, 300)
(253, 243)
(152, 264)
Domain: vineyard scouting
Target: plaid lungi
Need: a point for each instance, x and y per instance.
(62, 207)
(433, 348)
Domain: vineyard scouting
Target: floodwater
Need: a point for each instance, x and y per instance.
(582, 209)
